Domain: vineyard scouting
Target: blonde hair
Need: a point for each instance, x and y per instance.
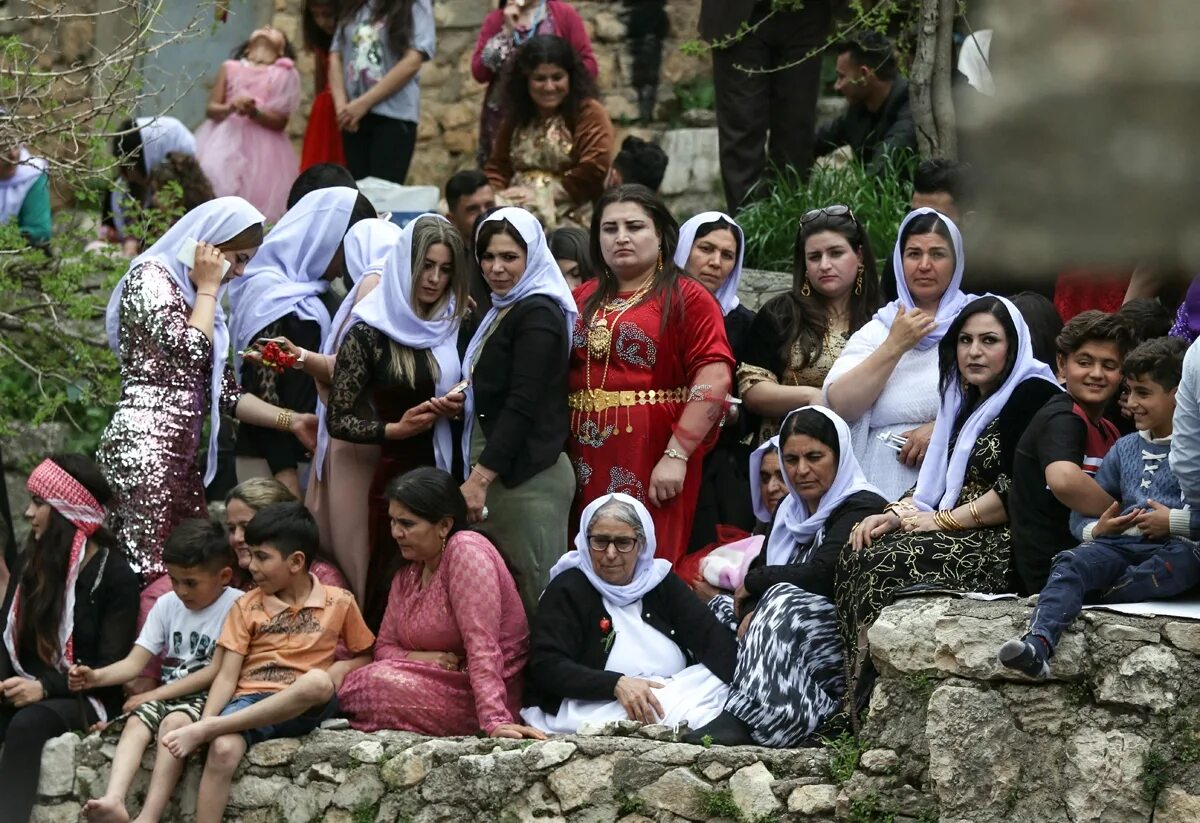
(427, 233)
(260, 492)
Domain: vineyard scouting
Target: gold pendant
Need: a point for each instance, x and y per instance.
(599, 339)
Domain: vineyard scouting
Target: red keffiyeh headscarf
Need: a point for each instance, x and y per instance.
(68, 497)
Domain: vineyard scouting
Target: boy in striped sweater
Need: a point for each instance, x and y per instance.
(1141, 548)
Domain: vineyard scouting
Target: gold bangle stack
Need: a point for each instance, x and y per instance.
(899, 508)
(971, 507)
(947, 522)
(283, 420)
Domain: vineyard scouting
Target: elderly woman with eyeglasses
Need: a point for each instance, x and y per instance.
(618, 636)
(885, 383)
(797, 336)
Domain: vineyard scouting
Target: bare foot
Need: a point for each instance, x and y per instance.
(106, 810)
(186, 740)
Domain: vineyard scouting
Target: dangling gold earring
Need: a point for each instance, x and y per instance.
(660, 263)
(805, 290)
(858, 282)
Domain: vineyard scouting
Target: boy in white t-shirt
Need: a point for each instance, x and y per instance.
(183, 627)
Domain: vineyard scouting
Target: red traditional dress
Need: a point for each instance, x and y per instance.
(322, 136)
(633, 384)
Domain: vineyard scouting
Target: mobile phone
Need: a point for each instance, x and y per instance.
(187, 256)
(459, 388)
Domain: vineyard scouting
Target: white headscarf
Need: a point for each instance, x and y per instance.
(952, 299)
(648, 572)
(542, 276)
(727, 294)
(390, 310)
(367, 246)
(939, 484)
(794, 525)
(287, 274)
(217, 221)
(756, 458)
(14, 189)
(160, 136)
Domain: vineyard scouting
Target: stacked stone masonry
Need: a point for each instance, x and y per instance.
(951, 737)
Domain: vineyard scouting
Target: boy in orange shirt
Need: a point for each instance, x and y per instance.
(278, 643)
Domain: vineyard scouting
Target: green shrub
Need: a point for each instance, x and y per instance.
(879, 201)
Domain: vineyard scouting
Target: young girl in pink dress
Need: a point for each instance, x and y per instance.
(242, 146)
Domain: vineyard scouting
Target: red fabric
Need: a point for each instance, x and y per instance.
(322, 137)
(567, 24)
(1099, 439)
(470, 607)
(606, 457)
(1078, 290)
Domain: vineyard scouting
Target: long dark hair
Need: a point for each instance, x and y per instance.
(806, 317)
(814, 424)
(431, 494)
(315, 37)
(666, 280)
(545, 48)
(44, 577)
(950, 378)
(571, 243)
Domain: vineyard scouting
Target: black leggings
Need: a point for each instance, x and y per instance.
(24, 732)
(382, 147)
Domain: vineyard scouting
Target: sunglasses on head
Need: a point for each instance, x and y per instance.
(828, 211)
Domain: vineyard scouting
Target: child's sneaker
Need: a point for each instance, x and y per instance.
(1028, 655)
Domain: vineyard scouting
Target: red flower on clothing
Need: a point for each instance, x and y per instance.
(605, 625)
(607, 633)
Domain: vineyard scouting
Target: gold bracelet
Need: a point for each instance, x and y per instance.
(207, 294)
(898, 508)
(974, 510)
(487, 481)
(946, 519)
(283, 420)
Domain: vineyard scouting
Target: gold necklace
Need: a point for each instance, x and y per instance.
(599, 337)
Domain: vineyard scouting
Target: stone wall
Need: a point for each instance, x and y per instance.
(951, 737)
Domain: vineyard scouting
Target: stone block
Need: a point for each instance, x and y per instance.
(368, 751)
(1133, 634)
(1177, 806)
(75, 39)
(274, 752)
(1147, 678)
(253, 792)
(580, 781)
(362, 788)
(694, 161)
(1103, 776)
(680, 792)
(1185, 636)
(550, 753)
(58, 766)
(880, 761)
(607, 28)
(459, 14)
(751, 790)
(813, 800)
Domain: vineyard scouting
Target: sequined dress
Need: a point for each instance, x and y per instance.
(149, 450)
(540, 153)
(616, 449)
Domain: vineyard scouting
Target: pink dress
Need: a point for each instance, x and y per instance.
(240, 156)
(470, 607)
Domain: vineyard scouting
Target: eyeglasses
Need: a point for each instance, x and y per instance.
(828, 211)
(601, 542)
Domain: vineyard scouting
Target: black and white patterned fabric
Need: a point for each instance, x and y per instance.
(790, 675)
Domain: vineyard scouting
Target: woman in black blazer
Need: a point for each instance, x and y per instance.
(618, 636)
(519, 481)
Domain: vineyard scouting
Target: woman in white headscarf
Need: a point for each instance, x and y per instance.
(396, 365)
(340, 481)
(952, 531)
(281, 297)
(25, 192)
(884, 384)
(140, 146)
(791, 675)
(166, 325)
(518, 477)
(711, 249)
(618, 636)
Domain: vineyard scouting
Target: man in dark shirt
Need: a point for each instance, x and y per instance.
(1063, 446)
(878, 120)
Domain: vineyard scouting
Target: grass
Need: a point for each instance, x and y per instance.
(879, 201)
(719, 803)
(1155, 774)
(868, 809)
(844, 752)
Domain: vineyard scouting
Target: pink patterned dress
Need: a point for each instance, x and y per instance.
(243, 157)
(470, 607)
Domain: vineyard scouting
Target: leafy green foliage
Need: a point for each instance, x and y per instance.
(879, 201)
(869, 809)
(719, 803)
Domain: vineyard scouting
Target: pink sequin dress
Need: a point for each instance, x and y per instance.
(470, 607)
(242, 157)
(149, 450)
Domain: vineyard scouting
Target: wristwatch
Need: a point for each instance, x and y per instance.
(299, 364)
(677, 454)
